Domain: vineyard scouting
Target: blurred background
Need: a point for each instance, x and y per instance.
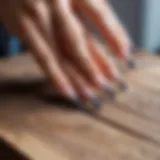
(140, 17)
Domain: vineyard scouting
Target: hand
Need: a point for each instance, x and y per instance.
(74, 61)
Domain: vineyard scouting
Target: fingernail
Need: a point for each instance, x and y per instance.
(110, 92)
(131, 64)
(96, 103)
(122, 85)
(134, 50)
(78, 104)
(71, 94)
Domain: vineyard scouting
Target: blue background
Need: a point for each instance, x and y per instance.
(9, 45)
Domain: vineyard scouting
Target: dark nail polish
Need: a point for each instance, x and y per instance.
(122, 85)
(134, 50)
(131, 64)
(96, 103)
(110, 93)
(78, 104)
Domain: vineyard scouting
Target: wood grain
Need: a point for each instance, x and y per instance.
(128, 128)
(137, 110)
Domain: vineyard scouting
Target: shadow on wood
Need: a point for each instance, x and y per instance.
(37, 89)
(8, 152)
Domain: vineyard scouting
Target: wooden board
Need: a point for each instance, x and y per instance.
(128, 128)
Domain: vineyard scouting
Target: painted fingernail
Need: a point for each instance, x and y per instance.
(131, 64)
(134, 50)
(78, 104)
(122, 85)
(96, 103)
(110, 93)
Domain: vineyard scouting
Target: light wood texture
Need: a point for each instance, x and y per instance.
(128, 128)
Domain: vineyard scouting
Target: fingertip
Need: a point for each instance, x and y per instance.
(110, 92)
(122, 85)
(79, 104)
(131, 63)
(70, 93)
(95, 103)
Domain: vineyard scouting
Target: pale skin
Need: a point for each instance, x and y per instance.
(73, 60)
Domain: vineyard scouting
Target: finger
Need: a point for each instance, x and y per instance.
(79, 53)
(46, 57)
(84, 89)
(112, 30)
(99, 55)
(43, 15)
(63, 49)
(105, 62)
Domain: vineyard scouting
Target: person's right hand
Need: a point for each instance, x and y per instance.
(74, 61)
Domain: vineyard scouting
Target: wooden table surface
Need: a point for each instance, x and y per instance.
(127, 129)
